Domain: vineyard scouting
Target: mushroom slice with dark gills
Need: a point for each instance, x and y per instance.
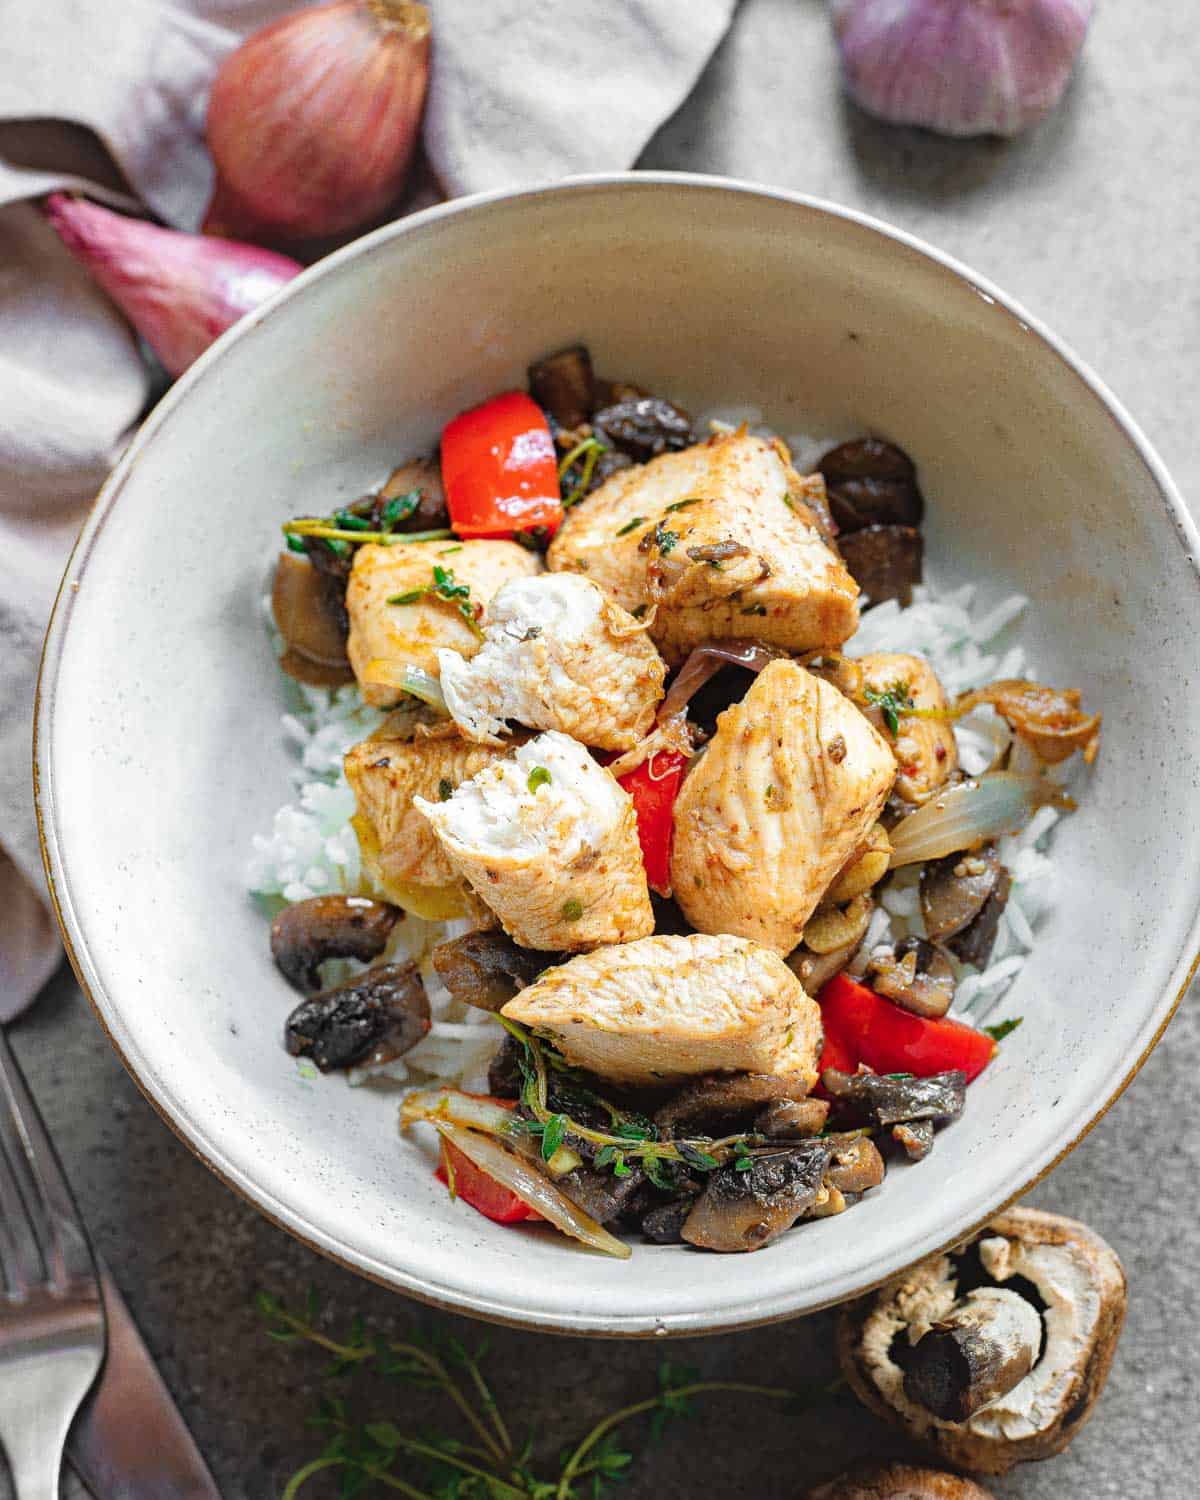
(962, 897)
(1074, 1286)
(717, 1098)
(375, 1018)
(871, 483)
(745, 1210)
(885, 562)
(307, 933)
(563, 385)
(877, 1099)
(645, 426)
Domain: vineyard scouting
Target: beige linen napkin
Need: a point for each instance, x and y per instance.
(108, 96)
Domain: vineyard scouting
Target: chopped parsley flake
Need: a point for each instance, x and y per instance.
(891, 703)
(445, 790)
(572, 910)
(632, 525)
(1003, 1028)
(539, 776)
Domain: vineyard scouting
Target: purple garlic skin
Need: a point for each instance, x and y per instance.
(961, 67)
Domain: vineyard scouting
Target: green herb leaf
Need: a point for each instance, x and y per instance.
(632, 525)
(296, 544)
(572, 910)
(552, 1135)
(619, 1167)
(409, 597)
(539, 776)
(398, 509)
(682, 505)
(1003, 1028)
(696, 1157)
(345, 520)
(742, 1163)
(891, 702)
(445, 790)
(665, 540)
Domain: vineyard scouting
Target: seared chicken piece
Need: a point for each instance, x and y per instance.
(400, 851)
(925, 749)
(385, 638)
(548, 840)
(720, 541)
(556, 654)
(668, 1008)
(786, 790)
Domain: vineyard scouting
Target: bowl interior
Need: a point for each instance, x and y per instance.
(160, 751)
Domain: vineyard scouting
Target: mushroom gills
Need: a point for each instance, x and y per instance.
(983, 1348)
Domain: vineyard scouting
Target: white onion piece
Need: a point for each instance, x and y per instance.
(531, 1187)
(462, 1109)
(968, 814)
(415, 681)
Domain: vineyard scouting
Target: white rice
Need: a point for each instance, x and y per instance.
(312, 849)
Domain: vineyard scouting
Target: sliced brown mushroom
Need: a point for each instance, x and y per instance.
(599, 1192)
(306, 604)
(915, 974)
(644, 427)
(898, 1482)
(883, 1099)
(663, 1225)
(306, 933)
(871, 483)
(714, 1098)
(486, 969)
(954, 890)
(745, 1210)
(1074, 1284)
(563, 385)
(915, 1137)
(855, 1165)
(973, 945)
(815, 970)
(375, 1018)
(421, 479)
(885, 561)
(792, 1119)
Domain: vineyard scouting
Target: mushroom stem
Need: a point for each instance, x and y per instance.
(985, 1346)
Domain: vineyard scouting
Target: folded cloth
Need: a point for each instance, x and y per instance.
(109, 99)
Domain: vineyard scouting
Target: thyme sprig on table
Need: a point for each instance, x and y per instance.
(486, 1463)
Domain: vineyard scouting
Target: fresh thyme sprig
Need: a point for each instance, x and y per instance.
(893, 702)
(488, 1465)
(446, 588)
(589, 450)
(632, 1137)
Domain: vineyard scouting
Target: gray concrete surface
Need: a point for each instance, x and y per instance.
(1092, 222)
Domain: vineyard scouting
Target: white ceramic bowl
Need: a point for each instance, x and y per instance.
(159, 751)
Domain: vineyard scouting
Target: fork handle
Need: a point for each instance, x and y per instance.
(35, 1452)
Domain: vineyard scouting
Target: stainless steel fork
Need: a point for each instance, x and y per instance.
(51, 1314)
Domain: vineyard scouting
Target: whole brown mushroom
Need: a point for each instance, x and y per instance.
(898, 1482)
(946, 1334)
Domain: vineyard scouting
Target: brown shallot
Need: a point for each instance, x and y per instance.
(313, 120)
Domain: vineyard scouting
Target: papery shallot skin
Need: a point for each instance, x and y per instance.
(961, 67)
(312, 122)
(180, 291)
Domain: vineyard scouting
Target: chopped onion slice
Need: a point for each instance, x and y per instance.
(705, 662)
(474, 1110)
(531, 1187)
(968, 814)
(415, 681)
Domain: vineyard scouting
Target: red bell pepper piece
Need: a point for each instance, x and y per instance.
(499, 469)
(863, 1027)
(654, 785)
(489, 1197)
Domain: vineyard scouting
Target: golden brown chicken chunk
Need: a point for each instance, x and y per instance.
(719, 541)
(787, 789)
(557, 654)
(548, 840)
(386, 637)
(925, 749)
(400, 851)
(668, 1008)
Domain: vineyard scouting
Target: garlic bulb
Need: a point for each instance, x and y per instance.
(313, 120)
(180, 291)
(963, 67)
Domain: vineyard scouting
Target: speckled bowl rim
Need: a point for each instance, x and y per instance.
(192, 1132)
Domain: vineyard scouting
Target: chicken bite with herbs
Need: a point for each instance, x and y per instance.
(548, 841)
(556, 654)
(407, 600)
(667, 1008)
(717, 541)
(787, 789)
(902, 695)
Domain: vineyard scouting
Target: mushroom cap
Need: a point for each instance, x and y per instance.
(1021, 1242)
(898, 1482)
